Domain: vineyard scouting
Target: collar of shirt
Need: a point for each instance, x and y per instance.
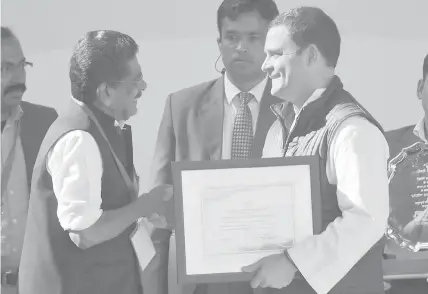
(231, 90)
(419, 130)
(15, 115)
(117, 123)
(315, 95)
(283, 108)
(289, 112)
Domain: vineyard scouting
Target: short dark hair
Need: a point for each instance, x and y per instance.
(99, 56)
(233, 8)
(425, 67)
(310, 25)
(6, 33)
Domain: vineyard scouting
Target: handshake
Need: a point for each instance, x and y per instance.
(158, 205)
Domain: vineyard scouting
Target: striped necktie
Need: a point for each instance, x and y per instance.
(242, 135)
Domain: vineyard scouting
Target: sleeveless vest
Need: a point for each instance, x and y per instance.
(312, 135)
(51, 263)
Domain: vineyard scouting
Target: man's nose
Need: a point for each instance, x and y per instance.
(266, 65)
(143, 85)
(242, 46)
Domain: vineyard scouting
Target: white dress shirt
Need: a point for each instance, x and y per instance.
(419, 130)
(75, 166)
(357, 164)
(231, 106)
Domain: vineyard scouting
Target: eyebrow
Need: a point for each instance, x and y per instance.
(231, 31)
(254, 33)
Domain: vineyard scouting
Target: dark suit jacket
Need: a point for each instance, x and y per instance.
(399, 139)
(192, 127)
(35, 122)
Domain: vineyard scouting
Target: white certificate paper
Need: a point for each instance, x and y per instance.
(234, 217)
(143, 244)
(239, 220)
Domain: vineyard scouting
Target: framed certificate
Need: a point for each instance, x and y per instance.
(232, 213)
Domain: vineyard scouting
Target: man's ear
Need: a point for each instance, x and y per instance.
(105, 94)
(420, 88)
(312, 54)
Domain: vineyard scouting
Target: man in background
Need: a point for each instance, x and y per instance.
(202, 122)
(23, 127)
(397, 140)
(320, 118)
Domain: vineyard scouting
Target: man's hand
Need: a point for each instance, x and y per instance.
(158, 201)
(273, 271)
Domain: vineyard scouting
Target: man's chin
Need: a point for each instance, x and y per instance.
(8, 109)
(278, 92)
(132, 112)
(12, 99)
(9, 105)
(244, 69)
(275, 90)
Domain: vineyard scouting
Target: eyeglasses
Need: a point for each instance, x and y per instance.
(135, 82)
(8, 67)
(130, 82)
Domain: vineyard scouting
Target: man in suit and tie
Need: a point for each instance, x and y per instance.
(225, 118)
(23, 126)
(397, 140)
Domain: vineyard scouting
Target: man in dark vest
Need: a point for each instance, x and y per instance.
(83, 208)
(23, 127)
(320, 118)
(202, 122)
(397, 140)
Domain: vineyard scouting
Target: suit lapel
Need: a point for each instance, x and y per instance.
(210, 120)
(28, 140)
(265, 120)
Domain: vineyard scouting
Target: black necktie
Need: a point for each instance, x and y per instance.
(242, 136)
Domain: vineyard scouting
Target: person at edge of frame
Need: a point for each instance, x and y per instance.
(397, 140)
(23, 127)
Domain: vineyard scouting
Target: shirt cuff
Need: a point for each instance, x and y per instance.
(80, 222)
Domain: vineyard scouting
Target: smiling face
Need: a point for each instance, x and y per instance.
(121, 98)
(284, 63)
(241, 44)
(13, 75)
